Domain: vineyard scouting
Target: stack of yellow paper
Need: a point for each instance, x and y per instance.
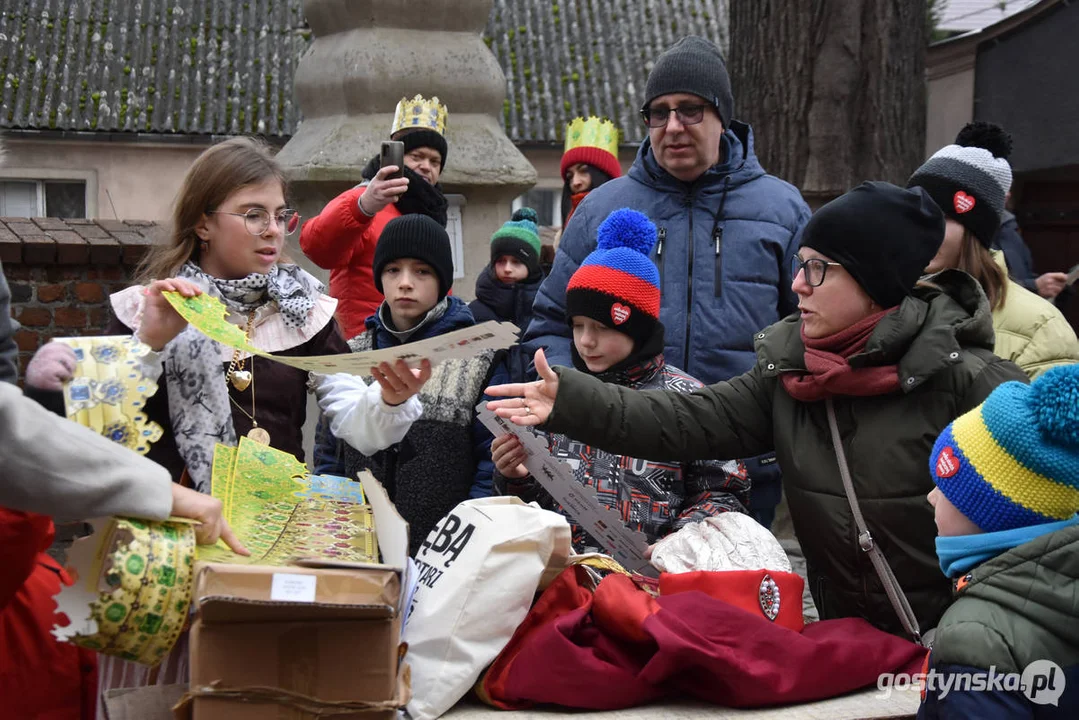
(281, 513)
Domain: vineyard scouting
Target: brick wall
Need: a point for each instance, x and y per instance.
(61, 274)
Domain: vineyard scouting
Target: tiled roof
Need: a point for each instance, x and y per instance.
(42, 240)
(160, 66)
(574, 57)
(227, 66)
(966, 15)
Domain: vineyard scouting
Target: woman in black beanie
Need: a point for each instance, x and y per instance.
(873, 365)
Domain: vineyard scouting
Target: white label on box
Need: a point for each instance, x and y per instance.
(288, 587)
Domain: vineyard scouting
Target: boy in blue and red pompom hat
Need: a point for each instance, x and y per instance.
(1005, 504)
(612, 305)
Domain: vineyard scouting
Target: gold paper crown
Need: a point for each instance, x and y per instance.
(592, 132)
(420, 113)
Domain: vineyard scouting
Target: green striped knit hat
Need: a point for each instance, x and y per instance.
(519, 238)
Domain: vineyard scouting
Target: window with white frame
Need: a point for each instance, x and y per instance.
(546, 201)
(43, 198)
(454, 230)
(47, 192)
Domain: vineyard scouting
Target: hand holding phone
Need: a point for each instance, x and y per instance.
(393, 153)
(385, 187)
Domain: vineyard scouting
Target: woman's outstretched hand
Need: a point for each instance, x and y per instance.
(527, 403)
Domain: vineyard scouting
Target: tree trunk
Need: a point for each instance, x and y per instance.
(835, 90)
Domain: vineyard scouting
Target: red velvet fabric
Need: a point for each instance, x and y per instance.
(40, 677)
(620, 648)
(742, 588)
(829, 372)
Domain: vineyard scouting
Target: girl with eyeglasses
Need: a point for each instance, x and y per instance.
(872, 362)
(227, 240)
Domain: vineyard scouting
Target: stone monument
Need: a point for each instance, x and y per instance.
(367, 55)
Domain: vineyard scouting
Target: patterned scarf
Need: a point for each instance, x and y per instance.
(195, 376)
(830, 373)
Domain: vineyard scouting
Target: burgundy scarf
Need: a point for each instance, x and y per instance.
(829, 373)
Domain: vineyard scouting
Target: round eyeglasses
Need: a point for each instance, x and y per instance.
(815, 269)
(257, 220)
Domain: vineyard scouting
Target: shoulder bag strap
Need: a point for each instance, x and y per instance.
(865, 540)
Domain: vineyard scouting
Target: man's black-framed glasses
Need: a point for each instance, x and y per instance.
(257, 220)
(657, 117)
(815, 269)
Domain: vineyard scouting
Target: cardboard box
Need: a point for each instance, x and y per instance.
(284, 642)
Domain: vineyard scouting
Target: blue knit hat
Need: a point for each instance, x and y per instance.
(618, 284)
(1013, 461)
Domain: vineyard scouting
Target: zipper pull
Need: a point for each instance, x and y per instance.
(662, 233)
(717, 280)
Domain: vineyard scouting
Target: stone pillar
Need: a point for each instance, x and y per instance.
(367, 55)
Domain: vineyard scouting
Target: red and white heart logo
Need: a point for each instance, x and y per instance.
(620, 313)
(963, 202)
(947, 463)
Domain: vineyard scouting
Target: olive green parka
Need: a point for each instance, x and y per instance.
(941, 339)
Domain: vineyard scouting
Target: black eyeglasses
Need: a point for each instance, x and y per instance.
(257, 220)
(656, 117)
(815, 269)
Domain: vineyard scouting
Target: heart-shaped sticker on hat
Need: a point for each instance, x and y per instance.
(963, 202)
(947, 463)
(620, 313)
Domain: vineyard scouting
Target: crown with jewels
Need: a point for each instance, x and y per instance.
(420, 113)
(592, 132)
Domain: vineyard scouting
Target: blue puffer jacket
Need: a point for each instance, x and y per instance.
(724, 250)
(725, 243)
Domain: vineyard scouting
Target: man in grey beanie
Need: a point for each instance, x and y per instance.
(727, 232)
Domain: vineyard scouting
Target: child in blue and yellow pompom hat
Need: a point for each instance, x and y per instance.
(1006, 503)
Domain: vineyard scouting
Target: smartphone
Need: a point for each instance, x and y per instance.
(393, 153)
(1073, 275)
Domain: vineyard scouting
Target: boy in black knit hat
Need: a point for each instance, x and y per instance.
(444, 456)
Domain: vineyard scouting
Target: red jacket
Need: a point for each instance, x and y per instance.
(40, 677)
(342, 240)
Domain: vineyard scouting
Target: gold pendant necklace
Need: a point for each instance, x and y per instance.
(259, 435)
(236, 374)
(242, 379)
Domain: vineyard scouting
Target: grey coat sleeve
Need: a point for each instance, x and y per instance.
(728, 419)
(9, 352)
(53, 466)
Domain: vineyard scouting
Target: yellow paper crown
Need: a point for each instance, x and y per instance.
(592, 132)
(420, 113)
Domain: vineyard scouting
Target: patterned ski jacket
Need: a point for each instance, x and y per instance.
(656, 498)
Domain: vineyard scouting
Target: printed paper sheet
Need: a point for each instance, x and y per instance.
(208, 315)
(579, 501)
